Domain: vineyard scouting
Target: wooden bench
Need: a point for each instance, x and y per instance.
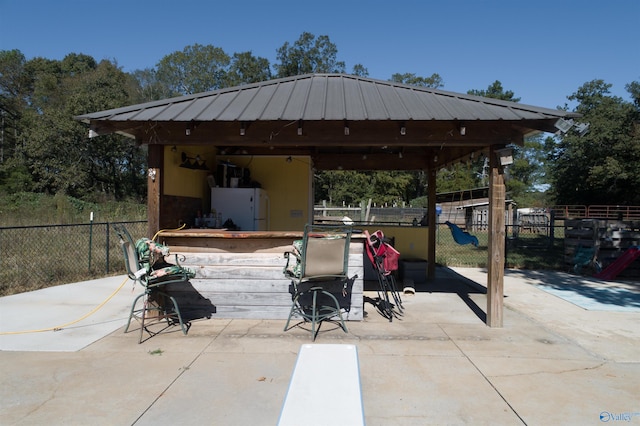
(324, 388)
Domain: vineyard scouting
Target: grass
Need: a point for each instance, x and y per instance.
(29, 209)
(529, 251)
(32, 258)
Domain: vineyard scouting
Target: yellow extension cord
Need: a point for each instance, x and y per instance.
(93, 311)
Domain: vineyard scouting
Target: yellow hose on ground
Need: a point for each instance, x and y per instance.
(60, 327)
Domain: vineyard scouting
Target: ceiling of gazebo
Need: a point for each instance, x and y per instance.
(342, 121)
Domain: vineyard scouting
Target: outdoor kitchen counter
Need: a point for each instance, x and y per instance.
(241, 272)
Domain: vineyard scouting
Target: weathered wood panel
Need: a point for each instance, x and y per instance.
(251, 284)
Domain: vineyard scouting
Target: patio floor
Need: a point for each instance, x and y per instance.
(553, 362)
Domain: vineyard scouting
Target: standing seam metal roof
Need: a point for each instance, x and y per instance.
(325, 97)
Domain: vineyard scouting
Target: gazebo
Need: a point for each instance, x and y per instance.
(341, 122)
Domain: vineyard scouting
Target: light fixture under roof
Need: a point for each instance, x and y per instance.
(582, 128)
(505, 156)
(563, 125)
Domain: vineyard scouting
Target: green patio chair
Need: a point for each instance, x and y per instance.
(318, 268)
(145, 264)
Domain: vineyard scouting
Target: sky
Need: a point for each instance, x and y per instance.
(542, 50)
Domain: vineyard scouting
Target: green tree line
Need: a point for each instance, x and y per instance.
(44, 150)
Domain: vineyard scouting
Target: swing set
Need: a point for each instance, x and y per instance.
(459, 235)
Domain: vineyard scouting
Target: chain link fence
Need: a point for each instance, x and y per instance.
(34, 257)
(523, 249)
(531, 244)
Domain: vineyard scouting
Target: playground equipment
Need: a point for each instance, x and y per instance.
(461, 237)
(620, 264)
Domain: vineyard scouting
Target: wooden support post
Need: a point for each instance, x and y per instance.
(433, 226)
(154, 188)
(495, 279)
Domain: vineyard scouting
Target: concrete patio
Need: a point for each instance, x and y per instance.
(567, 354)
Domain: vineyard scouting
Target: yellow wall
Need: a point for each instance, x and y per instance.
(410, 241)
(187, 182)
(288, 184)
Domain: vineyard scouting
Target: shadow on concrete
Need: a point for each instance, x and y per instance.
(446, 281)
(588, 289)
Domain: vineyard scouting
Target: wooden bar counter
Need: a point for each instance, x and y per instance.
(240, 272)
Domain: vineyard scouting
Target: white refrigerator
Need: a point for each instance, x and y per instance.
(248, 208)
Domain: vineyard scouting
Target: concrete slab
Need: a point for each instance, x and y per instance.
(67, 317)
(553, 362)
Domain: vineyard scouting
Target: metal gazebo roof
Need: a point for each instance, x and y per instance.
(331, 117)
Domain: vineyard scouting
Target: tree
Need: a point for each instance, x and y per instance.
(360, 70)
(527, 177)
(308, 55)
(13, 89)
(495, 91)
(458, 177)
(351, 187)
(435, 81)
(246, 68)
(145, 86)
(52, 152)
(600, 167)
(195, 69)
(58, 151)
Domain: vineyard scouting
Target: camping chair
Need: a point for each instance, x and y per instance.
(384, 258)
(153, 276)
(318, 268)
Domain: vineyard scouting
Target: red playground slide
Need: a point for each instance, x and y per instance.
(619, 265)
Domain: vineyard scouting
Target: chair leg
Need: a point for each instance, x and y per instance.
(384, 304)
(318, 317)
(343, 325)
(132, 313)
(314, 316)
(172, 315)
(396, 293)
(145, 308)
(176, 311)
(291, 312)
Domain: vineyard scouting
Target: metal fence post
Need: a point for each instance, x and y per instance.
(90, 237)
(107, 248)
